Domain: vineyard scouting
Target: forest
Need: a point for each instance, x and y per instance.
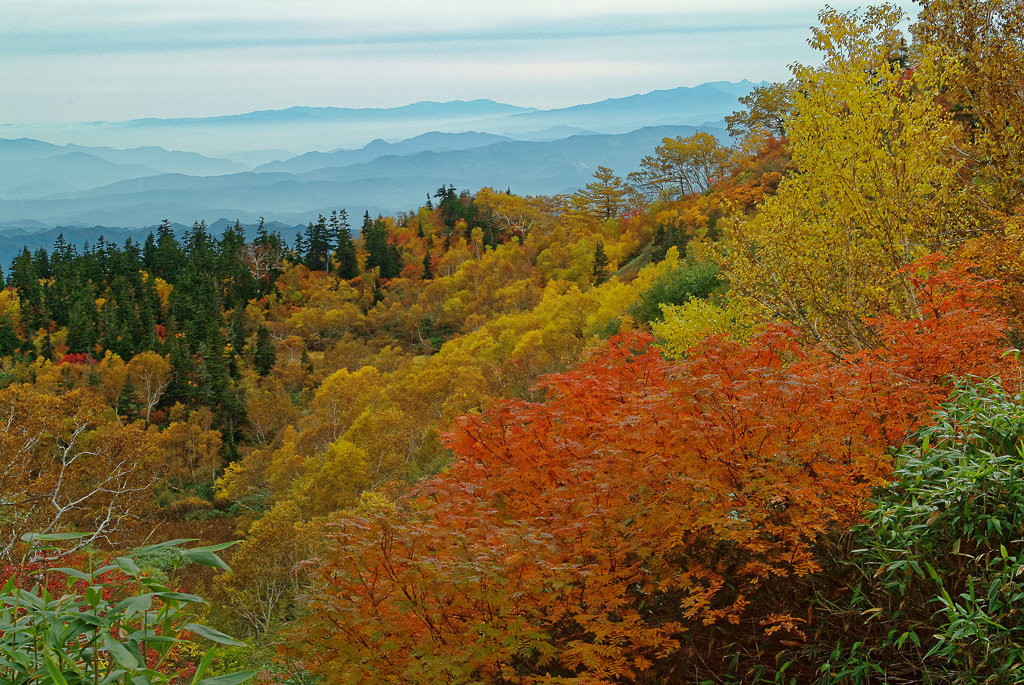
(751, 414)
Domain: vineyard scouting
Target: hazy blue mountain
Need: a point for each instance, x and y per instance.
(34, 178)
(255, 158)
(27, 148)
(157, 158)
(23, 226)
(737, 90)
(166, 161)
(662, 107)
(329, 128)
(551, 133)
(433, 141)
(456, 109)
(34, 169)
(387, 184)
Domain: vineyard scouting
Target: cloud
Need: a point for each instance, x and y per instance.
(116, 60)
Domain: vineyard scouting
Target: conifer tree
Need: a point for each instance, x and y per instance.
(345, 250)
(600, 264)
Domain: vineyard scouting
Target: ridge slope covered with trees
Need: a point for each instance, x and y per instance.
(747, 415)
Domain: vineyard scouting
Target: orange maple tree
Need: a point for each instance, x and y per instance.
(593, 537)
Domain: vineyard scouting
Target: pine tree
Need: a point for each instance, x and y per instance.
(428, 272)
(83, 324)
(265, 355)
(345, 250)
(600, 264)
(318, 247)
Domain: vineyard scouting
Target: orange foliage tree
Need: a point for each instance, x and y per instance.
(612, 531)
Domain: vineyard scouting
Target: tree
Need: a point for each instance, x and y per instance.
(876, 187)
(344, 249)
(600, 264)
(645, 514)
(380, 252)
(985, 41)
(767, 109)
(68, 464)
(265, 352)
(150, 375)
(683, 167)
(263, 257)
(602, 199)
(83, 323)
(508, 215)
(318, 245)
(262, 585)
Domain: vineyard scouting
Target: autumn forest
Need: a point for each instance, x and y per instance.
(751, 414)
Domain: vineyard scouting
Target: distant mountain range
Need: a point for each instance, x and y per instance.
(466, 144)
(303, 129)
(428, 142)
(386, 184)
(32, 168)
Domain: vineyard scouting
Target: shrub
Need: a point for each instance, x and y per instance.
(102, 629)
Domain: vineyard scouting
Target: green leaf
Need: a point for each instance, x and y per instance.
(29, 538)
(161, 545)
(180, 597)
(53, 668)
(134, 605)
(215, 548)
(212, 635)
(203, 665)
(128, 566)
(229, 679)
(205, 557)
(75, 573)
(120, 653)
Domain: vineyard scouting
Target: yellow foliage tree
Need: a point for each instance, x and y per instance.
(150, 374)
(262, 584)
(66, 463)
(686, 325)
(876, 186)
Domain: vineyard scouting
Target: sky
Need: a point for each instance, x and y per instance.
(117, 60)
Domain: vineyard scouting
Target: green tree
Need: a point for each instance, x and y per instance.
(600, 264)
(264, 354)
(344, 249)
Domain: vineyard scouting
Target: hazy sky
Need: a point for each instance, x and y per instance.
(113, 60)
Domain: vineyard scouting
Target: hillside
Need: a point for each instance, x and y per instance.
(384, 185)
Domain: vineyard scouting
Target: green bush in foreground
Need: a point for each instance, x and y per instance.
(103, 630)
(940, 597)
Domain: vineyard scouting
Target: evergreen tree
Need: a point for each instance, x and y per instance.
(265, 354)
(128, 404)
(345, 249)
(25, 279)
(318, 245)
(600, 264)
(41, 261)
(238, 285)
(169, 259)
(379, 252)
(9, 340)
(428, 272)
(83, 324)
(299, 248)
